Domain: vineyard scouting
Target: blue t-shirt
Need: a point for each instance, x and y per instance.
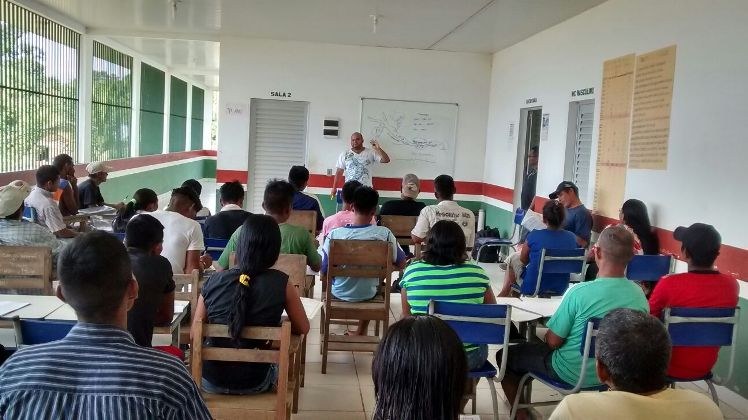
(546, 238)
(579, 222)
(358, 290)
(303, 201)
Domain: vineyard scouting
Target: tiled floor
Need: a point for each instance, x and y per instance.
(346, 392)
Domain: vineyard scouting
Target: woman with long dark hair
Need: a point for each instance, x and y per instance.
(634, 216)
(444, 274)
(251, 294)
(419, 371)
(144, 200)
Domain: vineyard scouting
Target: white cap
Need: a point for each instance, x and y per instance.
(96, 167)
(12, 196)
(411, 186)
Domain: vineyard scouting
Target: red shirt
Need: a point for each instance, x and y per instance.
(695, 289)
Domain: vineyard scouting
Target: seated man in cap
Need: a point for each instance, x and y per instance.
(632, 351)
(407, 204)
(47, 210)
(578, 219)
(701, 287)
(89, 194)
(16, 231)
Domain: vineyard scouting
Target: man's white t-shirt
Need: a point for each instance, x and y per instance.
(47, 211)
(446, 210)
(181, 234)
(356, 166)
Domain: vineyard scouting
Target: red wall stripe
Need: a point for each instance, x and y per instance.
(228, 175)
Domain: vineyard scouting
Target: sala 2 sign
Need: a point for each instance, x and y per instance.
(277, 94)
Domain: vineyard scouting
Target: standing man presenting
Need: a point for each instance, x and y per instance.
(354, 163)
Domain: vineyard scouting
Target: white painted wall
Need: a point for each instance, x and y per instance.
(705, 179)
(333, 78)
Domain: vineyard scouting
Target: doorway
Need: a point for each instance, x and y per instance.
(529, 139)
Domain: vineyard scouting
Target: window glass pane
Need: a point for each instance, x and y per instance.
(111, 103)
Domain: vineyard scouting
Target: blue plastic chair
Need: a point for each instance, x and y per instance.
(35, 331)
(29, 214)
(479, 324)
(563, 262)
(501, 243)
(699, 327)
(649, 267)
(586, 350)
(214, 247)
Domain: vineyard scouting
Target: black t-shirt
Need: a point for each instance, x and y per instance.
(528, 190)
(401, 208)
(267, 300)
(223, 224)
(154, 276)
(89, 194)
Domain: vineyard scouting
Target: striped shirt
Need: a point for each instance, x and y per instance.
(463, 283)
(97, 372)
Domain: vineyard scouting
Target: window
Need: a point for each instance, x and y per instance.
(579, 145)
(38, 89)
(198, 115)
(111, 103)
(151, 110)
(178, 115)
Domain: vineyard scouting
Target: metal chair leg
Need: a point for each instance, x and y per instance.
(713, 391)
(520, 390)
(494, 399)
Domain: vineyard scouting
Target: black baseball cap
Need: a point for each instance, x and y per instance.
(562, 186)
(191, 194)
(699, 239)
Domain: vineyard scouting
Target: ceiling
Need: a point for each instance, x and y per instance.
(186, 37)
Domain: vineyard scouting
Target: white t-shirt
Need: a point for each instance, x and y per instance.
(356, 165)
(446, 210)
(47, 210)
(669, 404)
(181, 234)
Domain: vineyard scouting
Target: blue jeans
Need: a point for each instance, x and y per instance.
(477, 357)
(266, 385)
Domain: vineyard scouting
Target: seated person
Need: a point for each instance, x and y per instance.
(525, 263)
(89, 192)
(443, 274)
(231, 215)
(445, 209)
(407, 204)
(558, 357)
(251, 294)
(183, 236)
(365, 201)
(298, 176)
(578, 219)
(294, 239)
(701, 287)
(67, 194)
(155, 304)
(47, 210)
(14, 230)
(202, 212)
(431, 353)
(345, 216)
(632, 351)
(144, 200)
(97, 370)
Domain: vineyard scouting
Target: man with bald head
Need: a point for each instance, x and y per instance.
(354, 164)
(559, 356)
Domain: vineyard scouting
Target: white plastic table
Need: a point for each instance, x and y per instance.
(38, 306)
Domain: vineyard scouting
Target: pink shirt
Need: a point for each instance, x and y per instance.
(339, 219)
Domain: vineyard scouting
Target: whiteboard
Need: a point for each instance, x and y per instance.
(419, 137)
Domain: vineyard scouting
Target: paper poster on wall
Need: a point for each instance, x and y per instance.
(615, 124)
(653, 97)
(235, 110)
(544, 127)
(418, 136)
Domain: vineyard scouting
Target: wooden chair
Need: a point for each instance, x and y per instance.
(187, 288)
(26, 269)
(359, 260)
(401, 226)
(308, 220)
(268, 405)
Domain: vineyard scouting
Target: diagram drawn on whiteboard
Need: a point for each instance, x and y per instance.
(393, 126)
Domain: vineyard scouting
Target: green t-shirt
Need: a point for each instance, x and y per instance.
(294, 240)
(584, 301)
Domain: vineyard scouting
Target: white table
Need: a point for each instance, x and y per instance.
(543, 307)
(519, 315)
(38, 306)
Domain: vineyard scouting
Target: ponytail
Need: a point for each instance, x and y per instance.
(554, 214)
(237, 317)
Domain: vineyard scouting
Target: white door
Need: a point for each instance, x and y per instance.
(277, 139)
(579, 148)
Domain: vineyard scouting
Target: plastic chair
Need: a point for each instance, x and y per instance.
(214, 247)
(586, 349)
(649, 267)
(479, 324)
(700, 327)
(29, 214)
(35, 331)
(555, 261)
(501, 243)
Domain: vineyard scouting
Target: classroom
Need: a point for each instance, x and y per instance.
(519, 103)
